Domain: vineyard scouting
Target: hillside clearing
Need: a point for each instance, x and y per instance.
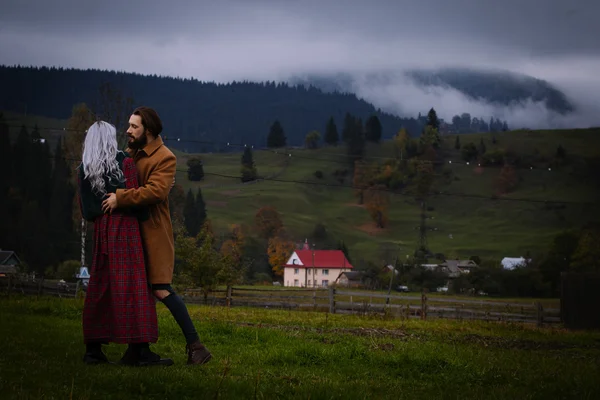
(461, 225)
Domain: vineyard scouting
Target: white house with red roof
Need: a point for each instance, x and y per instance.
(314, 268)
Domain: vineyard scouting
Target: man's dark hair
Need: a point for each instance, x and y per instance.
(150, 119)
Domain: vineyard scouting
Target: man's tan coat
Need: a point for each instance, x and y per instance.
(156, 166)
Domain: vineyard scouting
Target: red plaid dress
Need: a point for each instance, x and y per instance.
(119, 306)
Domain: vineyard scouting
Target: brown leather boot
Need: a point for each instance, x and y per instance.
(197, 353)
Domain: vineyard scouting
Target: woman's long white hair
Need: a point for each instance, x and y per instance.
(100, 156)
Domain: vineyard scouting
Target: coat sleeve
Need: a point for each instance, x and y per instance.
(155, 191)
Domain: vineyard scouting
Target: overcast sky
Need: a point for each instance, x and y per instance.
(224, 40)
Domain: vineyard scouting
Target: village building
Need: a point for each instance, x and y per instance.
(314, 268)
(9, 263)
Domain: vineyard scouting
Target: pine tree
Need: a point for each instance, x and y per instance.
(195, 169)
(492, 125)
(331, 134)
(33, 244)
(373, 129)
(39, 171)
(482, 148)
(191, 216)
(356, 142)
(248, 168)
(200, 207)
(60, 206)
(6, 160)
(176, 205)
(432, 119)
(6, 181)
(342, 246)
(276, 137)
(22, 150)
(349, 128)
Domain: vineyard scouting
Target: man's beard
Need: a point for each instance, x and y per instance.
(138, 143)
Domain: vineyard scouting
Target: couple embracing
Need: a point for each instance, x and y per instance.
(125, 195)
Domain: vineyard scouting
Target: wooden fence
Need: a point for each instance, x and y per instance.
(337, 301)
(11, 286)
(341, 301)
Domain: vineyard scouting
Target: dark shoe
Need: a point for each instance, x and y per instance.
(94, 355)
(129, 357)
(147, 358)
(198, 354)
(94, 358)
(142, 356)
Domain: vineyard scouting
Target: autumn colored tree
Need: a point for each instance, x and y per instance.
(586, 257)
(233, 246)
(312, 139)
(279, 249)
(401, 140)
(377, 202)
(430, 137)
(507, 180)
(268, 222)
(429, 154)
(200, 262)
(233, 265)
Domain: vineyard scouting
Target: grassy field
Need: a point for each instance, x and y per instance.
(463, 226)
(269, 354)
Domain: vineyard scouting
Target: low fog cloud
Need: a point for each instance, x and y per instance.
(277, 39)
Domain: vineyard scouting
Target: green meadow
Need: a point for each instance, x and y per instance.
(273, 354)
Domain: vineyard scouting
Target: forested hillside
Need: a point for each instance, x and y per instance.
(207, 113)
(238, 112)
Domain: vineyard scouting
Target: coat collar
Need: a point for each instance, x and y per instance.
(149, 149)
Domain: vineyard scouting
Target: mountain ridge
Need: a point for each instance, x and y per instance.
(494, 87)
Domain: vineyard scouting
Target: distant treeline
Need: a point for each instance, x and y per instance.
(207, 113)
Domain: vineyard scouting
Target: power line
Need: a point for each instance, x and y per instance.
(44, 128)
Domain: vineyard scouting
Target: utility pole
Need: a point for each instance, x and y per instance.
(387, 299)
(423, 246)
(313, 266)
(83, 242)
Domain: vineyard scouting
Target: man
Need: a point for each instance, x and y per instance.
(156, 166)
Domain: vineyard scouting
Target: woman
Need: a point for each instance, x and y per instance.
(119, 306)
